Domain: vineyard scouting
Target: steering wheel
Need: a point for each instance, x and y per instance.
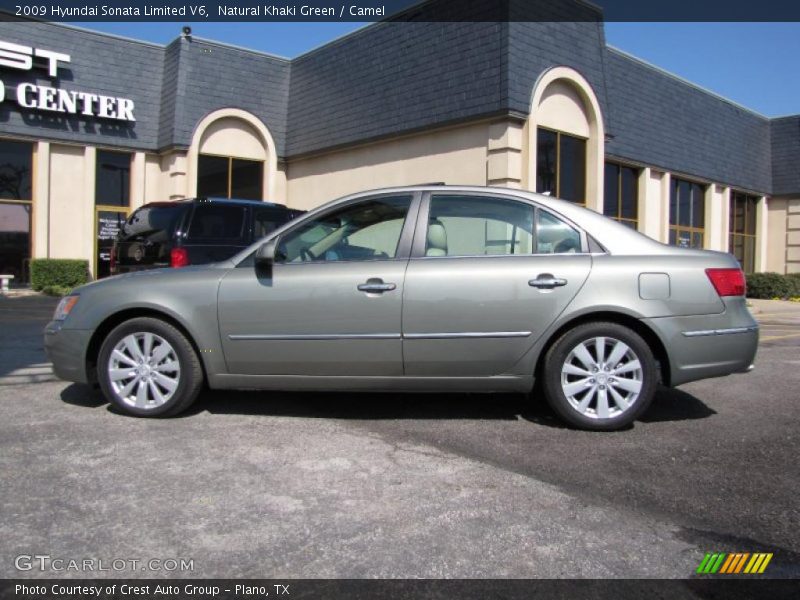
(306, 255)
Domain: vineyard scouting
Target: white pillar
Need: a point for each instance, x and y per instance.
(716, 225)
(138, 180)
(504, 155)
(762, 232)
(666, 187)
(88, 226)
(41, 201)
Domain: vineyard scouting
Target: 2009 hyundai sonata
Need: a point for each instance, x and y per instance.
(420, 289)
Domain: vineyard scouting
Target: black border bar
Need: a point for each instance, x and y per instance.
(731, 588)
(188, 11)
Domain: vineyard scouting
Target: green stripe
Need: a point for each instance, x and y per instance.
(718, 564)
(702, 566)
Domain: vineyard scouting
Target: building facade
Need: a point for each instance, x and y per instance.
(93, 126)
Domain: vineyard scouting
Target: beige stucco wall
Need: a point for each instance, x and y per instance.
(562, 109)
(452, 156)
(230, 136)
(70, 230)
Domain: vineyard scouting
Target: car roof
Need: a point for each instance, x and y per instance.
(215, 200)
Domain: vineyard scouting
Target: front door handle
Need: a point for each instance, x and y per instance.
(375, 286)
(546, 281)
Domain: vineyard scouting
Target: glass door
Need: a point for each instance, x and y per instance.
(108, 222)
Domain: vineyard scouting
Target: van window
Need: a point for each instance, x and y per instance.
(157, 223)
(217, 222)
(267, 220)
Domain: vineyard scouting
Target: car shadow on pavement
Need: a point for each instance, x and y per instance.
(361, 405)
(85, 396)
(668, 405)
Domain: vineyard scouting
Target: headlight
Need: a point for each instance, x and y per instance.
(64, 307)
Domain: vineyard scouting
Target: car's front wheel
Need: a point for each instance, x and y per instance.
(148, 368)
(600, 376)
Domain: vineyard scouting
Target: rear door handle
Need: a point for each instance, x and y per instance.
(376, 286)
(546, 281)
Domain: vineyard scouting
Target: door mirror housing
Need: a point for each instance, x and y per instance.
(265, 256)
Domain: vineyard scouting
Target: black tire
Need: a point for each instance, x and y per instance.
(553, 379)
(190, 378)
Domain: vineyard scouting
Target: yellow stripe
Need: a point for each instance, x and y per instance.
(741, 562)
(758, 563)
(728, 561)
(752, 562)
(778, 337)
(765, 563)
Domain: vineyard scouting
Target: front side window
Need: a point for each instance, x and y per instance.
(742, 237)
(229, 177)
(484, 226)
(687, 210)
(368, 230)
(561, 165)
(16, 165)
(621, 198)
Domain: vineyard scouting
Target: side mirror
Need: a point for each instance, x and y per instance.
(265, 257)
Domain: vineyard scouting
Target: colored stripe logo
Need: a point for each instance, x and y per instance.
(734, 563)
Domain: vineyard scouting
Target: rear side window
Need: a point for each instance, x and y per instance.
(553, 236)
(479, 226)
(217, 222)
(156, 223)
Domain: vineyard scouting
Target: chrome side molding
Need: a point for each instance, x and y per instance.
(729, 331)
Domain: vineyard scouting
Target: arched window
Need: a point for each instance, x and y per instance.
(566, 139)
(232, 156)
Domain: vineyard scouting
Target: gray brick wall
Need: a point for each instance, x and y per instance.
(786, 155)
(172, 88)
(534, 48)
(212, 76)
(659, 120)
(100, 64)
(394, 77)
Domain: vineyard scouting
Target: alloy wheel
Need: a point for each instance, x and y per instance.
(602, 377)
(144, 370)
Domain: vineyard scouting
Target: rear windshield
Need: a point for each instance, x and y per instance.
(154, 222)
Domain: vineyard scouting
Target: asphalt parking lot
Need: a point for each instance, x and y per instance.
(380, 485)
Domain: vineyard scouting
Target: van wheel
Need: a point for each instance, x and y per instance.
(147, 368)
(600, 376)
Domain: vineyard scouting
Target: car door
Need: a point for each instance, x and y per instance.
(487, 276)
(332, 304)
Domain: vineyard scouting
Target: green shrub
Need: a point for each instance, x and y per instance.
(58, 274)
(56, 290)
(768, 286)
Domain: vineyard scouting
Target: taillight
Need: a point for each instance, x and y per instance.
(112, 258)
(727, 282)
(178, 257)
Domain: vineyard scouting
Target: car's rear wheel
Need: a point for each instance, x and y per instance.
(600, 376)
(148, 368)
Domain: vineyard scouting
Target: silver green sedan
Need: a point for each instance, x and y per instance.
(420, 289)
